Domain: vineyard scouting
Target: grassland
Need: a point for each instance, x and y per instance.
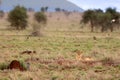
(56, 51)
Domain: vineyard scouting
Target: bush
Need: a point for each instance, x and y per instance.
(40, 17)
(89, 17)
(18, 18)
(3, 66)
(24, 65)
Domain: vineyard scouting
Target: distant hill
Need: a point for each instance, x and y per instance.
(37, 4)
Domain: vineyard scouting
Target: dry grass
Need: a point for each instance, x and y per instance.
(55, 57)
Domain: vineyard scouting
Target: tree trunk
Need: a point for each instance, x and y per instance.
(92, 27)
(111, 28)
(102, 29)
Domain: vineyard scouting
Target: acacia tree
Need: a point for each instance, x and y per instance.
(57, 9)
(114, 15)
(89, 17)
(18, 18)
(103, 19)
(113, 12)
(44, 9)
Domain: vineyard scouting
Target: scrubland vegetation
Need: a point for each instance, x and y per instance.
(59, 48)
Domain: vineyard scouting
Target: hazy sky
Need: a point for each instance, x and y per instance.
(84, 4)
(95, 4)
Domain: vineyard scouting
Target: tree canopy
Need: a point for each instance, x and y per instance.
(40, 17)
(18, 18)
(97, 18)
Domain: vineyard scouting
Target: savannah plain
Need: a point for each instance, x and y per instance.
(58, 51)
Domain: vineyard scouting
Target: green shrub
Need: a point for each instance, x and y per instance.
(40, 17)
(4, 79)
(3, 66)
(24, 65)
(18, 18)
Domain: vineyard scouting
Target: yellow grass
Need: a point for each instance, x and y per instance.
(56, 57)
